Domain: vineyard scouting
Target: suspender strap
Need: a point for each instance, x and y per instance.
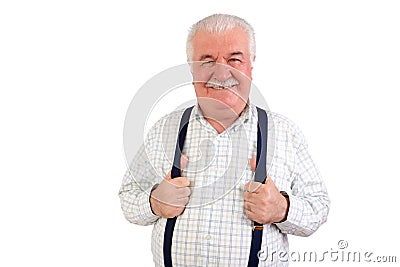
(260, 176)
(262, 137)
(175, 172)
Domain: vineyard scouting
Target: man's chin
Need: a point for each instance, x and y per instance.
(221, 105)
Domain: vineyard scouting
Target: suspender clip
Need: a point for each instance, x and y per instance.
(258, 227)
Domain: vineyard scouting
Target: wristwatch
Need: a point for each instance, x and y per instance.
(283, 193)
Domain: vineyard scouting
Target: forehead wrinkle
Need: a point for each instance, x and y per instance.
(223, 44)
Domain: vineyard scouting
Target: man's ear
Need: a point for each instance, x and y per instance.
(190, 67)
(252, 66)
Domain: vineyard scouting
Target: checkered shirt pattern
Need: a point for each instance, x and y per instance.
(214, 230)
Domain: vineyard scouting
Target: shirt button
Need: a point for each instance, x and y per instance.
(208, 237)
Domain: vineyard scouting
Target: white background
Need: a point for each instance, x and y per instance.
(69, 69)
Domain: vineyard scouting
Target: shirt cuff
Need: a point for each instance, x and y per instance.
(294, 216)
(145, 209)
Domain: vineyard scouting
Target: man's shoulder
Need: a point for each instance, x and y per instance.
(284, 126)
(169, 121)
(281, 119)
(275, 118)
(174, 115)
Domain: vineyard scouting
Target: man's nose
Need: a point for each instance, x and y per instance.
(222, 72)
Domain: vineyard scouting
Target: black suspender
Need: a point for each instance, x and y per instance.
(175, 172)
(260, 175)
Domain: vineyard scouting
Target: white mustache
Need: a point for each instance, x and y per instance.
(217, 84)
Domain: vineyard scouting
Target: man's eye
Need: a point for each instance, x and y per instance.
(235, 60)
(208, 63)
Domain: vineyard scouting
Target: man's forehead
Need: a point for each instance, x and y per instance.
(234, 33)
(234, 41)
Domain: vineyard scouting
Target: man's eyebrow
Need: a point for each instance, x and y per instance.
(236, 53)
(203, 57)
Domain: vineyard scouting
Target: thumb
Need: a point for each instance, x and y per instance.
(253, 187)
(181, 182)
(184, 161)
(252, 162)
(269, 182)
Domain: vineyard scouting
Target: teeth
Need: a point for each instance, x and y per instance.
(221, 85)
(217, 86)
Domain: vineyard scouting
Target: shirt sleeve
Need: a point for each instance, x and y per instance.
(147, 169)
(309, 201)
(140, 177)
(135, 191)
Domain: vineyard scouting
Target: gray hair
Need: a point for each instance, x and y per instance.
(219, 23)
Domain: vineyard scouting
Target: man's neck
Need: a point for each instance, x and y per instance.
(220, 126)
(222, 119)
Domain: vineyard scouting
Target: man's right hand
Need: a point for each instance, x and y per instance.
(171, 196)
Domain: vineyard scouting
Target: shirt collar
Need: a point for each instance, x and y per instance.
(243, 119)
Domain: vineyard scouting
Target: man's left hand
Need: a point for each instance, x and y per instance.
(264, 203)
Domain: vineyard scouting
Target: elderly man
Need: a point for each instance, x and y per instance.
(206, 215)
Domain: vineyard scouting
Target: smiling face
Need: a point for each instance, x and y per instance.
(222, 69)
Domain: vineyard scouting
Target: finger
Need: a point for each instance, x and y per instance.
(253, 187)
(250, 214)
(184, 161)
(182, 202)
(253, 164)
(178, 203)
(168, 177)
(183, 192)
(250, 198)
(249, 206)
(181, 182)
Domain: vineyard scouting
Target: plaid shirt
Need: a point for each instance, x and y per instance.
(214, 230)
